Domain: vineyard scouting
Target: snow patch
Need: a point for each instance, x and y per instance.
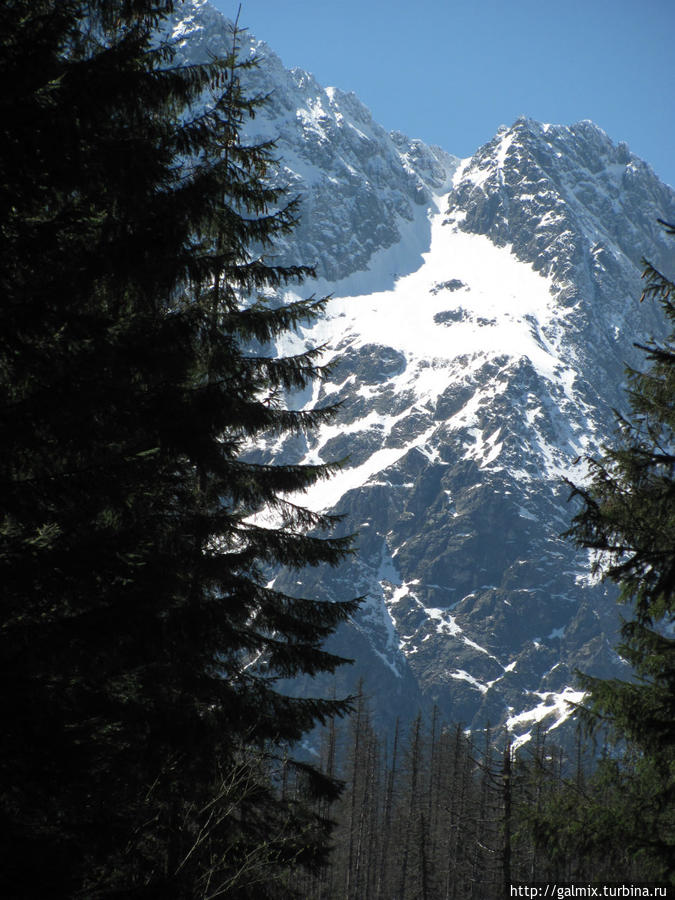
(556, 705)
(462, 675)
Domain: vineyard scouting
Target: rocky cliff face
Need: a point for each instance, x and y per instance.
(362, 188)
(483, 313)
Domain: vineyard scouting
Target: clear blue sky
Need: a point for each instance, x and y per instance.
(452, 71)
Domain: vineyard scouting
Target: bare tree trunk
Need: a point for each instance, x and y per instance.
(506, 798)
(352, 813)
(415, 758)
(387, 819)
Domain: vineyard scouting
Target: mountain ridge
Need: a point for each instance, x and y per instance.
(483, 312)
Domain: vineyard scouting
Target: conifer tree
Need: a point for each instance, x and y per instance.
(140, 640)
(628, 520)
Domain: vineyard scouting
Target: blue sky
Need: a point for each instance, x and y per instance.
(452, 71)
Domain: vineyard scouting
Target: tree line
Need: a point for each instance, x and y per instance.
(147, 751)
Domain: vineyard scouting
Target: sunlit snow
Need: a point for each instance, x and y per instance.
(505, 309)
(559, 706)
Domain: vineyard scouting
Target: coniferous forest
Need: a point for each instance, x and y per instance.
(147, 751)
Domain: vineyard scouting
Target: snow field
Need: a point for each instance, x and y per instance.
(505, 310)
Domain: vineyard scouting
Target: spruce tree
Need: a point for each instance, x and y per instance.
(140, 639)
(627, 519)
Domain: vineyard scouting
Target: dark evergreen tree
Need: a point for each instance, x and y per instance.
(628, 519)
(140, 643)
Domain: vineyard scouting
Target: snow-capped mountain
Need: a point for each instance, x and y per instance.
(330, 150)
(483, 312)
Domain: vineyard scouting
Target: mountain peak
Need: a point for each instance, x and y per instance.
(553, 191)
